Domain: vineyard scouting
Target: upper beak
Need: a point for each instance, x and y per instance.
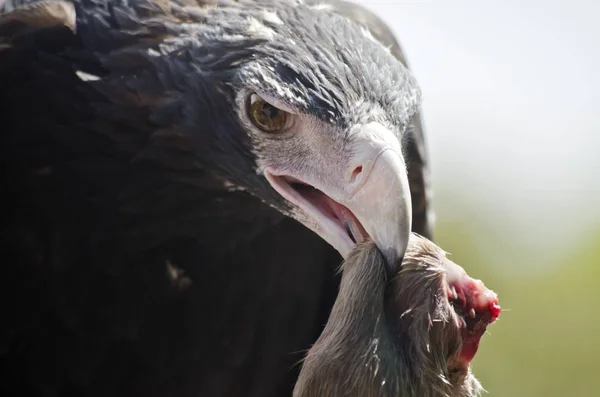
(366, 196)
(382, 205)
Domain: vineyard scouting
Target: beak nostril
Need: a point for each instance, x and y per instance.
(356, 173)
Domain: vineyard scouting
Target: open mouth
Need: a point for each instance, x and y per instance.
(329, 216)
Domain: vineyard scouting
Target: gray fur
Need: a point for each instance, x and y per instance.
(392, 340)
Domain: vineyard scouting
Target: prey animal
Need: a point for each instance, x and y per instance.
(410, 336)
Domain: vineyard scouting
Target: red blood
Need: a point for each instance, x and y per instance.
(472, 295)
(495, 310)
(468, 351)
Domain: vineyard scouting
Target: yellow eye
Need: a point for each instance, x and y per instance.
(266, 116)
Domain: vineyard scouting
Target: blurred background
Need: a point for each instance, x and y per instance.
(511, 96)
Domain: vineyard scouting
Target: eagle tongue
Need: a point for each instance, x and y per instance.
(331, 209)
(351, 224)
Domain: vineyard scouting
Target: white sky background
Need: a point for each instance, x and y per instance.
(512, 114)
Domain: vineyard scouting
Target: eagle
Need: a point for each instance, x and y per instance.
(183, 178)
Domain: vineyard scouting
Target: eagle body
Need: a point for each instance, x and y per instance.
(145, 253)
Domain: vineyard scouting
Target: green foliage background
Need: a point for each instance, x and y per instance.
(546, 341)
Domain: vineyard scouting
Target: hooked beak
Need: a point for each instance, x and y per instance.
(382, 205)
(369, 200)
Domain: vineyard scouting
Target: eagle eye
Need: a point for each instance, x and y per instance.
(265, 116)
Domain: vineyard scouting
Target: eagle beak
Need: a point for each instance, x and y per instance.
(367, 198)
(382, 205)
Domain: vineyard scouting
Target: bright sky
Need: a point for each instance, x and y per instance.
(511, 97)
